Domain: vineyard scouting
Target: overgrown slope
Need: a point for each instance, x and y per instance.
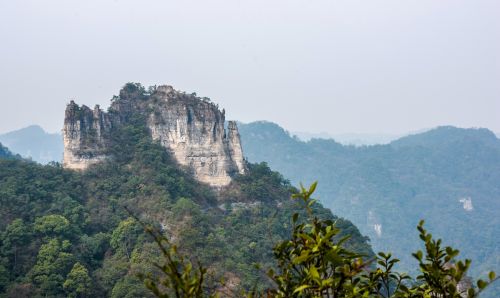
(448, 176)
(63, 232)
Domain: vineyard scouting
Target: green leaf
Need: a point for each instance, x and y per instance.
(302, 189)
(312, 188)
(314, 272)
(418, 255)
(492, 275)
(301, 288)
(327, 282)
(270, 273)
(301, 258)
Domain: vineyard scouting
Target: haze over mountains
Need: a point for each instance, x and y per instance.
(347, 85)
(448, 176)
(33, 142)
(356, 139)
(50, 145)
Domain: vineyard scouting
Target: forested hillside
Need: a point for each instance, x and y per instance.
(66, 233)
(448, 176)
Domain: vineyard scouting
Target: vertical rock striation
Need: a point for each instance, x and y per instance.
(85, 136)
(191, 128)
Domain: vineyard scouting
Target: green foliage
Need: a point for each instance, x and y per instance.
(112, 270)
(313, 264)
(395, 185)
(54, 261)
(441, 275)
(4, 277)
(130, 287)
(46, 206)
(6, 154)
(78, 282)
(179, 277)
(125, 236)
(263, 183)
(131, 91)
(91, 249)
(383, 281)
(14, 239)
(185, 206)
(52, 225)
(52, 218)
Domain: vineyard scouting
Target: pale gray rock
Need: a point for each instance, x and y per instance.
(191, 128)
(85, 134)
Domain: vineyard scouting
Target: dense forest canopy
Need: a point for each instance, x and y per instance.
(447, 176)
(314, 263)
(66, 233)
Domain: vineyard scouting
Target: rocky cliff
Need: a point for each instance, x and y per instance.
(191, 128)
(85, 136)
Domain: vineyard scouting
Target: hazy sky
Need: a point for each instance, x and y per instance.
(336, 66)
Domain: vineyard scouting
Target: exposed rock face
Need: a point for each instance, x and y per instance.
(190, 127)
(85, 136)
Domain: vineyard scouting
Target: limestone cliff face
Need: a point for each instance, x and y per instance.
(85, 136)
(192, 129)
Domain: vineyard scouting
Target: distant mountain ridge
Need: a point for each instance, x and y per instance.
(49, 146)
(360, 182)
(356, 139)
(447, 135)
(448, 176)
(33, 142)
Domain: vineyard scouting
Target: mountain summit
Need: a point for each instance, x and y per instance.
(191, 128)
(61, 227)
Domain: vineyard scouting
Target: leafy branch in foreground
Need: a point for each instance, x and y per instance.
(441, 275)
(312, 263)
(180, 278)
